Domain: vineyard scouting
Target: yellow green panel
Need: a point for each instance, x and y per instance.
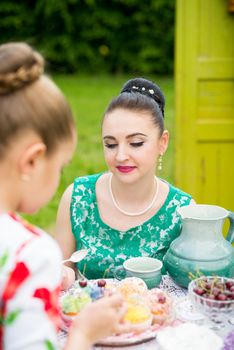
(215, 181)
(219, 132)
(205, 101)
(217, 94)
(216, 28)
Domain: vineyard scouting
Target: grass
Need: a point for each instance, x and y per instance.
(88, 97)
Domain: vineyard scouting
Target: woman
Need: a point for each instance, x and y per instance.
(127, 211)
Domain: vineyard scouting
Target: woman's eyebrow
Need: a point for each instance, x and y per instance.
(136, 134)
(127, 137)
(109, 137)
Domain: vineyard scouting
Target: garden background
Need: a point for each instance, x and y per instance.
(92, 47)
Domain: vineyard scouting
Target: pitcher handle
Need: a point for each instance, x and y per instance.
(230, 234)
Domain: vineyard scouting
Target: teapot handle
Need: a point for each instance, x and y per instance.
(230, 235)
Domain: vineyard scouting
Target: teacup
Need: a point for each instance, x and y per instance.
(146, 268)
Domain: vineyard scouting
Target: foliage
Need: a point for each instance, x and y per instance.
(95, 35)
(89, 96)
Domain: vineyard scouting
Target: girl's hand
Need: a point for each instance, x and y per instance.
(101, 318)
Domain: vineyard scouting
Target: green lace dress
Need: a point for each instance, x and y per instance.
(108, 248)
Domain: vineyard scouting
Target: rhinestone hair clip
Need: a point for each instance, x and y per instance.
(151, 91)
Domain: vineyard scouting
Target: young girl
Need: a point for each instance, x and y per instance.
(127, 211)
(37, 139)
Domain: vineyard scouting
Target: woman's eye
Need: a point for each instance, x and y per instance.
(110, 145)
(137, 144)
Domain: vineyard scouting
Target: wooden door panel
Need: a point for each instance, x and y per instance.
(215, 173)
(205, 101)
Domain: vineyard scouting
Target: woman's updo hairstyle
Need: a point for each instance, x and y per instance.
(29, 100)
(141, 95)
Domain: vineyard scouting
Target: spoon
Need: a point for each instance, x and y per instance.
(77, 256)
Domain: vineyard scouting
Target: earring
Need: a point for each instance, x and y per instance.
(160, 162)
(25, 177)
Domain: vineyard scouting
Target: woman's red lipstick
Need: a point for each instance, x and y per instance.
(125, 169)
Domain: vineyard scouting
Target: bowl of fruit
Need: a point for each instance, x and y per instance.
(214, 297)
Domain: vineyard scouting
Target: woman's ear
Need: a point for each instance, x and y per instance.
(164, 139)
(30, 159)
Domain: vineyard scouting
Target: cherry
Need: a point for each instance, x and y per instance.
(221, 296)
(83, 283)
(162, 299)
(229, 284)
(101, 283)
(208, 285)
(215, 291)
(198, 290)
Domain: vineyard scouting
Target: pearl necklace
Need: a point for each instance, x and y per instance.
(140, 212)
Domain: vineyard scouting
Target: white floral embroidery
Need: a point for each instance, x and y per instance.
(108, 247)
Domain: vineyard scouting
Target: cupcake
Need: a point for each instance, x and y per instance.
(160, 305)
(72, 304)
(138, 314)
(132, 285)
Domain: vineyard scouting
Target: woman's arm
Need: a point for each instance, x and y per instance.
(63, 230)
(64, 236)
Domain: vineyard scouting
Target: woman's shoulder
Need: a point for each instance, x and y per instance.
(86, 181)
(83, 189)
(178, 194)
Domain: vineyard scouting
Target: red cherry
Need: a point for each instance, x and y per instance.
(162, 299)
(208, 285)
(215, 291)
(221, 297)
(229, 284)
(198, 291)
(83, 283)
(101, 283)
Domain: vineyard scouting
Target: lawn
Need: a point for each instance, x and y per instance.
(88, 97)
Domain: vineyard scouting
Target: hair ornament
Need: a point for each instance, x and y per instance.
(143, 88)
(151, 91)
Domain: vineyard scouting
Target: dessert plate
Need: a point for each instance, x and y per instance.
(130, 338)
(123, 339)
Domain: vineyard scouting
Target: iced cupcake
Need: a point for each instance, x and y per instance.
(132, 285)
(160, 305)
(138, 314)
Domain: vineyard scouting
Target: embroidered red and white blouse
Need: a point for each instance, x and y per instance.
(30, 277)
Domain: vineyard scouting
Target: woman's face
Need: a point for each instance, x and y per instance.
(132, 144)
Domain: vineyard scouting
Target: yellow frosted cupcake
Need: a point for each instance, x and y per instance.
(138, 314)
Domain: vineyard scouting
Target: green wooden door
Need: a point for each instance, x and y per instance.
(204, 135)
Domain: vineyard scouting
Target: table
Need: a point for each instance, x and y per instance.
(184, 311)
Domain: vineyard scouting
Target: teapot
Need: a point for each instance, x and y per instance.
(201, 248)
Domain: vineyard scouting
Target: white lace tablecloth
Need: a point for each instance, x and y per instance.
(184, 311)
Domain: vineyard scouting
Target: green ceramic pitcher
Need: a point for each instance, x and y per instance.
(201, 247)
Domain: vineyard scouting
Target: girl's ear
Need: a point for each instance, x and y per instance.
(164, 139)
(30, 158)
